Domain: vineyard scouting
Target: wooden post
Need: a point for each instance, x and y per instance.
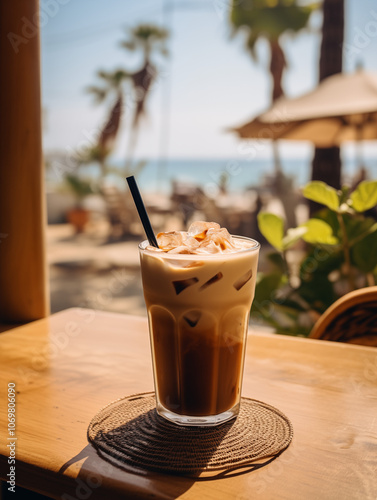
(326, 165)
(23, 273)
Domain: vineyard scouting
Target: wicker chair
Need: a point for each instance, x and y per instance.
(352, 319)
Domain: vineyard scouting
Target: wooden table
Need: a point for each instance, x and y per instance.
(70, 365)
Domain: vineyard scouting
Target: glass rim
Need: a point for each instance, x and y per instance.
(184, 256)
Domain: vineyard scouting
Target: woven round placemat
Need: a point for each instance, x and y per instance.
(130, 432)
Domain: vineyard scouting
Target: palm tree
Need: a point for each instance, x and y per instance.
(269, 20)
(326, 163)
(147, 39)
(111, 90)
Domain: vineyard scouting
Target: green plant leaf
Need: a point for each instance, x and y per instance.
(364, 253)
(79, 187)
(288, 305)
(277, 262)
(272, 228)
(358, 227)
(323, 260)
(319, 232)
(265, 289)
(330, 217)
(318, 292)
(293, 235)
(365, 196)
(320, 192)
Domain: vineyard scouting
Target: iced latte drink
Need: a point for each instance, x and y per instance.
(198, 289)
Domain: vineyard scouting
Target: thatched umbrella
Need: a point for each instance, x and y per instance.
(342, 108)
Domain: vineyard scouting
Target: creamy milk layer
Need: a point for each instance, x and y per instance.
(198, 297)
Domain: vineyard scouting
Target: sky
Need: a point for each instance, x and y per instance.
(207, 84)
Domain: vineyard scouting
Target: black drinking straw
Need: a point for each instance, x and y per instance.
(141, 210)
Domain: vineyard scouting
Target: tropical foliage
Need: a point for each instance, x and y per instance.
(148, 40)
(340, 255)
(124, 92)
(269, 20)
(123, 89)
(110, 90)
(80, 188)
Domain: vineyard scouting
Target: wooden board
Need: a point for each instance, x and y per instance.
(23, 269)
(70, 365)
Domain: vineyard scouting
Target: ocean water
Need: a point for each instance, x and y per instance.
(240, 174)
(157, 175)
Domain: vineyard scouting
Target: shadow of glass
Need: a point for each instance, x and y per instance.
(101, 476)
(150, 442)
(156, 450)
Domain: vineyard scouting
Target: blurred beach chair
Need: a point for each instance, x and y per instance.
(235, 211)
(159, 208)
(122, 215)
(351, 319)
(120, 211)
(187, 198)
(238, 211)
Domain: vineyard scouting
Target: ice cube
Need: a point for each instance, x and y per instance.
(212, 280)
(243, 280)
(181, 249)
(177, 242)
(186, 264)
(220, 237)
(196, 263)
(199, 229)
(178, 263)
(201, 238)
(192, 318)
(191, 243)
(208, 246)
(180, 285)
(169, 240)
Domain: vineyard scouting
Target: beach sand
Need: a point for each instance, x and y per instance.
(84, 271)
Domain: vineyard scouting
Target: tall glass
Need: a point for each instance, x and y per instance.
(198, 311)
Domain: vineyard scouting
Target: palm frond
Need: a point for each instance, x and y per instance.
(271, 18)
(145, 36)
(113, 79)
(251, 44)
(129, 44)
(119, 75)
(90, 155)
(98, 93)
(104, 75)
(149, 31)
